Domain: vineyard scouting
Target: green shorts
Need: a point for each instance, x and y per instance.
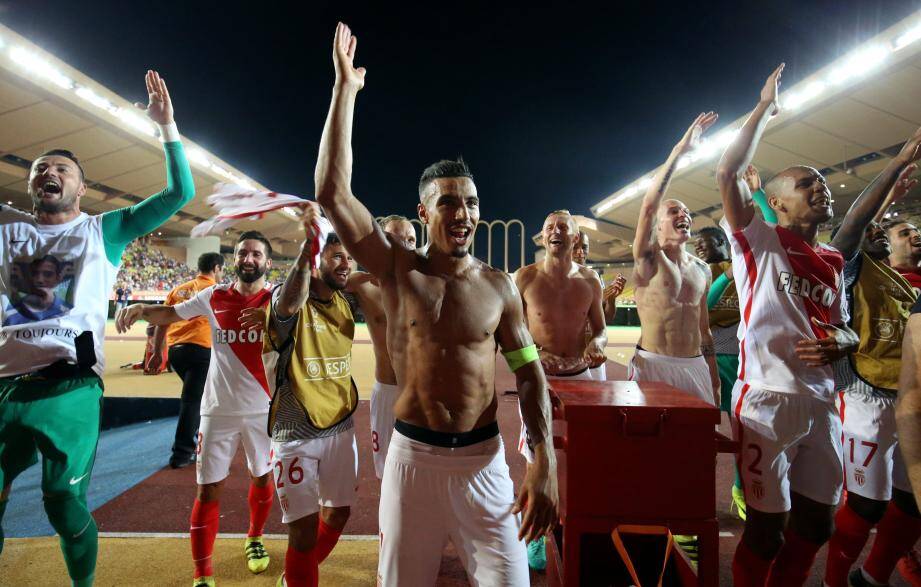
(728, 367)
(58, 418)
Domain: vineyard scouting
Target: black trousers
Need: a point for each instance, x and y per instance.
(190, 362)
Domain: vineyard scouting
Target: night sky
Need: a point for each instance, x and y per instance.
(551, 107)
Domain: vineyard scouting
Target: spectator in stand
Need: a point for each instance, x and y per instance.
(121, 297)
(189, 343)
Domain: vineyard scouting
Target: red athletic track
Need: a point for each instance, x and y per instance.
(163, 501)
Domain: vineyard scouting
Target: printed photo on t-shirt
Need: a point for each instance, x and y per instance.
(40, 288)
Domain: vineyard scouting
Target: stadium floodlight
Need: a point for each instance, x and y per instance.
(643, 184)
(725, 138)
(794, 100)
(128, 116)
(40, 68)
(858, 63)
(684, 161)
(907, 38)
(95, 99)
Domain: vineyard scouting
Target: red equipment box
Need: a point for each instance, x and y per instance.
(639, 454)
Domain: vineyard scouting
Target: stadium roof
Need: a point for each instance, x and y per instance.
(44, 104)
(847, 120)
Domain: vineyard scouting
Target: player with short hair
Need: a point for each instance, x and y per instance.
(189, 343)
(445, 477)
(905, 242)
(51, 363)
(880, 300)
(234, 404)
(385, 391)
(675, 346)
(309, 332)
(793, 312)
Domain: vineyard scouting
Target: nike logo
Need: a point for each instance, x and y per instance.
(220, 311)
(793, 252)
(74, 481)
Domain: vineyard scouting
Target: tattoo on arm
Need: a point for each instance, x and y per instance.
(707, 350)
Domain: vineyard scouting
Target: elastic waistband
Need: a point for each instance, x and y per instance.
(676, 360)
(488, 454)
(572, 374)
(446, 439)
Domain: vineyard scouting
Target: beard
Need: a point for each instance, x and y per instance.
(331, 282)
(64, 204)
(250, 276)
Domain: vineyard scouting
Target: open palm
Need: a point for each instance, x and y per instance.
(344, 45)
(159, 106)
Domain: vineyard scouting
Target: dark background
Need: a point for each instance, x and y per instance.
(551, 106)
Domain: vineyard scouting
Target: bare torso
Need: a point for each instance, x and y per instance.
(441, 337)
(668, 299)
(372, 306)
(557, 307)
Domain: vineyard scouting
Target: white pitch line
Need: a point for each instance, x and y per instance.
(344, 537)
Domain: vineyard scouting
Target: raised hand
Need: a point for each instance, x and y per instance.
(752, 178)
(771, 89)
(344, 44)
(903, 184)
(691, 138)
(159, 107)
(910, 152)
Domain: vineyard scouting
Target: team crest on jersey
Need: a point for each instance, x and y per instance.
(757, 489)
(860, 476)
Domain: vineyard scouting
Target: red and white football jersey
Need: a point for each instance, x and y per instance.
(914, 278)
(236, 384)
(783, 282)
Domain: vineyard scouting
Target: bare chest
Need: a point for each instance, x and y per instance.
(453, 311)
(546, 298)
(680, 282)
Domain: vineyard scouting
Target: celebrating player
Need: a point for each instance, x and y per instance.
(792, 304)
(51, 363)
(310, 327)
(880, 300)
(671, 288)
(385, 392)
(445, 476)
(234, 404)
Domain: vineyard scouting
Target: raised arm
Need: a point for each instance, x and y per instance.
(753, 181)
(121, 226)
(538, 498)
(908, 406)
(296, 288)
(738, 205)
(870, 202)
(644, 243)
(354, 224)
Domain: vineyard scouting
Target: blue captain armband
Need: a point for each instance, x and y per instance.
(521, 357)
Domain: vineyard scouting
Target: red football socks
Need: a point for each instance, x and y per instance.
(896, 534)
(301, 568)
(851, 534)
(793, 562)
(327, 537)
(203, 530)
(749, 569)
(260, 504)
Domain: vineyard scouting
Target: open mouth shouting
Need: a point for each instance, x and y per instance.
(460, 234)
(683, 224)
(51, 187)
